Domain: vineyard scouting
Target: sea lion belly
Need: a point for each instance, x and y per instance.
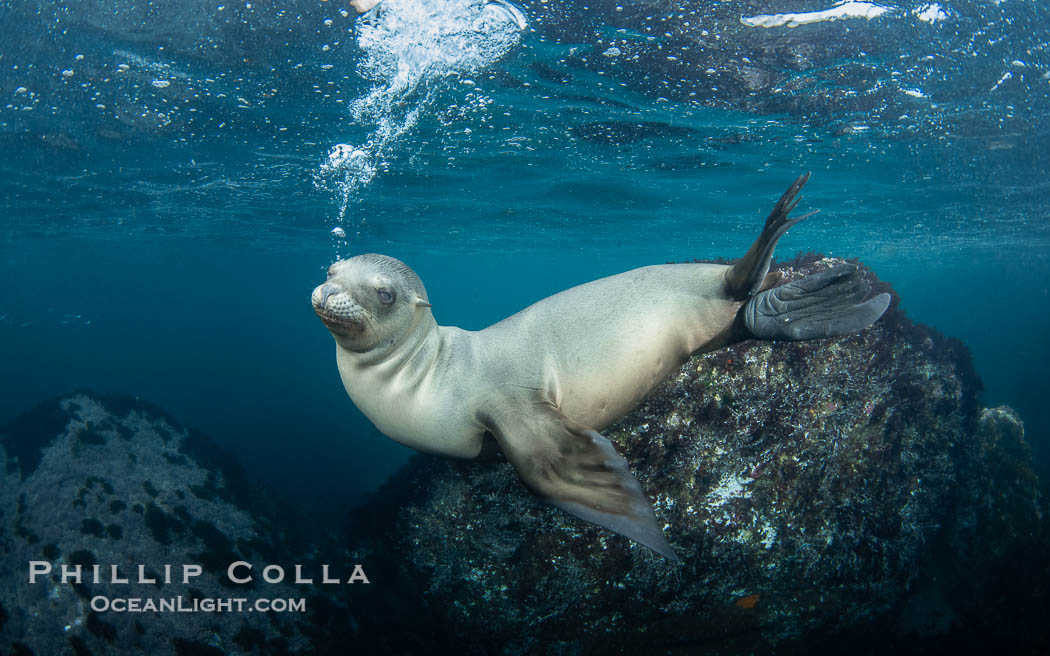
(604, 345)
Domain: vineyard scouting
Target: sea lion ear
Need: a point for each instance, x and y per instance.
(578, 470)
(421, 303)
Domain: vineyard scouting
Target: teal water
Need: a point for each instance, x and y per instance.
(165, 213)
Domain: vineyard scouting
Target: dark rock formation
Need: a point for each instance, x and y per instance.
(844, 489)
(111, 481)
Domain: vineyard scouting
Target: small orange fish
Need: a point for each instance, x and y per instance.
(748, 602)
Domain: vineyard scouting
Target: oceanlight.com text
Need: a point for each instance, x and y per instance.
(180, 604)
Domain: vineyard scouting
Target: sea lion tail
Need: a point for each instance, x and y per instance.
(825, 304)
(579, 471)
(748, 276)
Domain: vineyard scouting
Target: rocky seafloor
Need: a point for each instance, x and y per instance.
(101, 480)
(848, 494)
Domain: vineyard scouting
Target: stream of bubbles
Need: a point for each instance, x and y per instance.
(410, 50)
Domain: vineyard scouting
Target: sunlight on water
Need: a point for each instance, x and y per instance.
(410, 48)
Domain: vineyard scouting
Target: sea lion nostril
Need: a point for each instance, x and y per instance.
(326, 291)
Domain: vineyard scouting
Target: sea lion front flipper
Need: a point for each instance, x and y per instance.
(578, 470)
(748, 276)
(825, 304)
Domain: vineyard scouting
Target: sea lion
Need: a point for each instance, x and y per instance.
(546, 379)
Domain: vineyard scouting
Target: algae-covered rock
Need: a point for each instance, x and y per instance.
(110, 481)
(807, 486)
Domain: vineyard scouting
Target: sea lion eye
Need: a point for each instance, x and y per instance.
(386, 297)
(330, 273)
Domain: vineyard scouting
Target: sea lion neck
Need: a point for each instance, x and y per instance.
(399, 351)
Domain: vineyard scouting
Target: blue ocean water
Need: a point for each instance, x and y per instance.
(172, 174)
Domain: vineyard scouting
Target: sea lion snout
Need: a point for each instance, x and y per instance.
(322, 293)
(336, 308)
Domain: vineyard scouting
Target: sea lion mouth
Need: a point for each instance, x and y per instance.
(341, 324)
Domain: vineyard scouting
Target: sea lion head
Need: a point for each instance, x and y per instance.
(371, 302)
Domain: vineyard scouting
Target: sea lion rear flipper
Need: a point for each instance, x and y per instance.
(748, 276)
(825, 304)
(578, 470)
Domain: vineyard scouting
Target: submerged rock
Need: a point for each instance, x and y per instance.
(110, 481)
(812, 489)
